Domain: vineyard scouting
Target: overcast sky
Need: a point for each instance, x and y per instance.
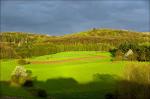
(58, 17)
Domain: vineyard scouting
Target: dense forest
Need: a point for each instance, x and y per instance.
(24, 45)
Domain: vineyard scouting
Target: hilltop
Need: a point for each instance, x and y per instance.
(104, 32)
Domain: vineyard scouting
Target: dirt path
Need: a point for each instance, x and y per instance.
(66, 60)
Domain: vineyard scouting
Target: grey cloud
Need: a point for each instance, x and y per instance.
(60, 17)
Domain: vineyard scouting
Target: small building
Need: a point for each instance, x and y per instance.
(128, 53)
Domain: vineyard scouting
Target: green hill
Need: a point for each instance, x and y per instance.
(22, 44)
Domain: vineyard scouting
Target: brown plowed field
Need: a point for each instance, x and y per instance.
(66, 60)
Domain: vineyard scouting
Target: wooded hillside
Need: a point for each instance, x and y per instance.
(21, 45)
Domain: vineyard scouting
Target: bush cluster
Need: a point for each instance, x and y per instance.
(20, 76)
(141, 52)
(23, 62)
(136, 82)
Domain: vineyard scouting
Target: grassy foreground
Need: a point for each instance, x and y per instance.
(67, 75)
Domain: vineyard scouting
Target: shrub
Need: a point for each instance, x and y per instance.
(139, 73)
(132, 57)
(104, 77)
(136, 83)
(113, 51)
(38, 92)
(28, 83)
(23, 62)
(29, 79)
(21, 76)
(119, 55)
(41, 93)
(109, 96)
(18, 76)
(140, 52)
(124, 47)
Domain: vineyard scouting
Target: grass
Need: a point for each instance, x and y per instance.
(12, 91)
(6, 67)
(73, 79)
(81, 71)
(71, 54)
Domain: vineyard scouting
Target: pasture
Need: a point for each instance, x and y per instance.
(80, 65)
(68, 75)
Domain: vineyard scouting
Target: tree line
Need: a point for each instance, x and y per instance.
(22, 45)
(141, 52)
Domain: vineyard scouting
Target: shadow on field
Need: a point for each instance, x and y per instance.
(68, 88)
(103, 86)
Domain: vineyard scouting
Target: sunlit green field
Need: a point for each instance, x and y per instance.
(81, 70)
(67, 72)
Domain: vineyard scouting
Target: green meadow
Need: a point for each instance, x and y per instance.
(81, 70)
(68, 75)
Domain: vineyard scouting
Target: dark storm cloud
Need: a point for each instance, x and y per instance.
(67, 16)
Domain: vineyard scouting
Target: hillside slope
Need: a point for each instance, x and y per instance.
(20, 44)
